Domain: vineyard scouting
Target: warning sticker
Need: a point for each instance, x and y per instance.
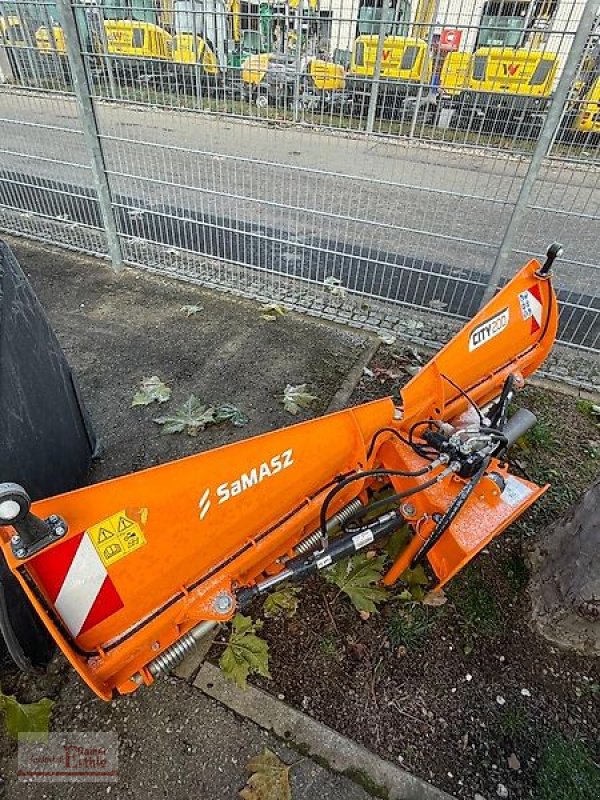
(116, 537)
(515, 492)
(526, 311)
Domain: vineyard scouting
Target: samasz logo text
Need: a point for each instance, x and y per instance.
(256, 475)
(228, 489)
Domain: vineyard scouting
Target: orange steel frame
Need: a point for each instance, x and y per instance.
(260, 497)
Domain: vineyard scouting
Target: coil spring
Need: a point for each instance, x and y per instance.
(313, 539)
(172, 656)
(175, 654)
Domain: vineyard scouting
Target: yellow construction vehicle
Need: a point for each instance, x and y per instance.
(184, 54)
(583, 116)
(270, 79)
(149, 44)
(498, 89)
(405, 65)
(17, 37)
(286, 63)
(588, 117)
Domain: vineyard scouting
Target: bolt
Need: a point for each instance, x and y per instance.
(223, 603)
(15, 539)
(137, 678)
(52, 518)
(155, 646)
(408, 509)
(21, 552)
(59, 530)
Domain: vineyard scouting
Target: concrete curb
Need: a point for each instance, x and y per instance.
(321, 743)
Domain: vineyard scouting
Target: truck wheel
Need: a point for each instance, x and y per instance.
(25, 638)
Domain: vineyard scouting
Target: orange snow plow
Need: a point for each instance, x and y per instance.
(128, 574)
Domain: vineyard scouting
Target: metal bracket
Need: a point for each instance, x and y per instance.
(31, 533)
(47, 532)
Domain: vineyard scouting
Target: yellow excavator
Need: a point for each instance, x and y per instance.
(507, 91)
(270, 79)
(17, 38)
(582, 119)
(149, 44)
(501, 90)
(405, 65)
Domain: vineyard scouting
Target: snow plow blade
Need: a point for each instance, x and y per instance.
(125, 573)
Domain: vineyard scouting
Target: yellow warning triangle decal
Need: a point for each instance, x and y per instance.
(103, 535)
(124, 524)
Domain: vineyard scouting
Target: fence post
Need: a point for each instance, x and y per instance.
(95, 15)
(547, 134)
(298, 59)
(89, 125)
(377, 74)
(427, 60)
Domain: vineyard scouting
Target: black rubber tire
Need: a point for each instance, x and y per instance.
(21, 628)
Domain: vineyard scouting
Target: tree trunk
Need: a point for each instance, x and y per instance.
(565, 582)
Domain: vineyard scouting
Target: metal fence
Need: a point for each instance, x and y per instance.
(384, 164)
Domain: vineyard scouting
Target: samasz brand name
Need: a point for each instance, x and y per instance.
(488, 329)
(229, 489)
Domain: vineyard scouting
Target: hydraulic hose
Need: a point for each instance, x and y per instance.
(370, 473)
(449, 516)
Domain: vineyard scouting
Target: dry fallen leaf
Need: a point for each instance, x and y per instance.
(334, 286)
(296, 397)
(152, 390)
(190, 310)
(269, 778)
(435, 599)
(191, 417)
(270, 311)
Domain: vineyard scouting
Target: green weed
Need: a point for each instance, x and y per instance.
(567, 772)
(329, 647)
(517, 572)
(409, 626)
(475, 603)
(513, 721)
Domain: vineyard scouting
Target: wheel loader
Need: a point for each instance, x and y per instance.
(128, 574)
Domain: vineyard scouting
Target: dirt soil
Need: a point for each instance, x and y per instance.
(116, 330)
(464, 695)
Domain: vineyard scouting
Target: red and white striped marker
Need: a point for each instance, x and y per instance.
(77, 583)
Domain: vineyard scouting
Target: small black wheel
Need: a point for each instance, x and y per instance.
(14, 503)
